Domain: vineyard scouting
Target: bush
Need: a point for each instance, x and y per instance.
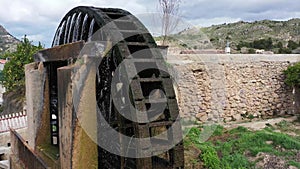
(244, 44)
(210, 157)
(279, 45)
(292, 74)
(285, 51)
(266, 44)
(251, 51)
(13, 72)
(292, 45)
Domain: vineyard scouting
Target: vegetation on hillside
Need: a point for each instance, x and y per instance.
(277, 36)
(7, 41)
(278, 31)
(13, 72)
(269, 45)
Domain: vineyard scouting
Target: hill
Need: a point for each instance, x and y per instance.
(240, 34)
(7, 41)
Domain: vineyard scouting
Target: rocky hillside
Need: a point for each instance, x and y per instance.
(216, 36)
(7, 41)
(282, 31)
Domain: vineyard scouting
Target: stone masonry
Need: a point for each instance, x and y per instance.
(232, 87)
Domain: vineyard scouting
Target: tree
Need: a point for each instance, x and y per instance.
(292, 45)
(292, 78)
(293, 75)
(269, 44)
(169, 9)
(284, 51)
(13, 72)
(266, 44)
(251, 51)
(279, 45)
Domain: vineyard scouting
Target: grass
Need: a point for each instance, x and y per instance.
(233, 148)
(294, 163)
(287, 127)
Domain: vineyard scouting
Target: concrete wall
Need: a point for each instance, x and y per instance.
(5, 137)
(37, 101)
(77, 109)
(232, 87)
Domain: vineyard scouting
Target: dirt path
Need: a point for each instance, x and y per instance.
(258, 125)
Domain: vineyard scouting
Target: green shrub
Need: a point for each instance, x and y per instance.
(284, 51)
(266, 44)
(292, 74)
(292, 45)
(210, 157)
(13, 72)
(251, 51)
(279, 45)
(218, 130)
(236, 160)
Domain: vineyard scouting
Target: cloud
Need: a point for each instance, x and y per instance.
(39, 19)
(246, 10)
(203, 22)
(36, 18)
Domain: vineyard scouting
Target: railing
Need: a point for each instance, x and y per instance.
(25, 154)
(14, 121)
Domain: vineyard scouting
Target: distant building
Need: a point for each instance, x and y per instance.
(262, 51)
(259, 51)
(2, 63)
(227, 48)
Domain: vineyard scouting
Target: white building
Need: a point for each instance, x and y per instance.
(227, 48)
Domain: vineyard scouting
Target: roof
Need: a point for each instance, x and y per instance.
(2, 61)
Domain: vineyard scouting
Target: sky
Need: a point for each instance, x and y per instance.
(40, 19)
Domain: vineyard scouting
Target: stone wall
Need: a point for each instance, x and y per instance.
(232, 87)
(5, 137)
